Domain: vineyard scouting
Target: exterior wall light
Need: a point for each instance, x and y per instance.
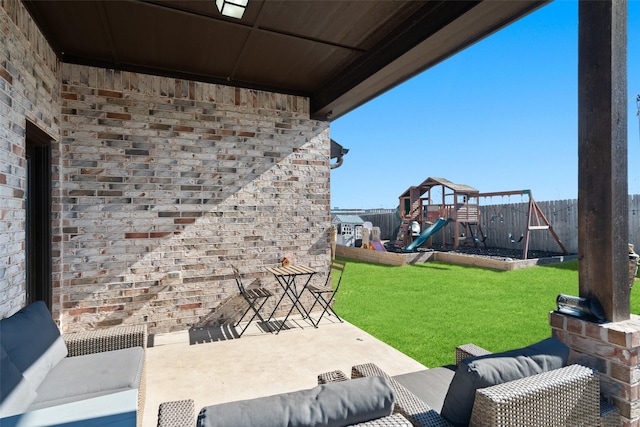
(232, 8)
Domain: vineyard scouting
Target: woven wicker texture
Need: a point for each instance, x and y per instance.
(332, 377)
(609, 414)
(97, 341)
(564, 397)
(179, 413)
(469, 350)
(407, 403)
(395, 420)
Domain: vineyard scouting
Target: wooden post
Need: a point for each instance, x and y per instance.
(602, 155)
(525, 250)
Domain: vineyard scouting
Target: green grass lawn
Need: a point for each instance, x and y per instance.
(426, 310)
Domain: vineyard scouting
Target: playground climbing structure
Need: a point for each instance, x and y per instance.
(436, 199)
(438, 203)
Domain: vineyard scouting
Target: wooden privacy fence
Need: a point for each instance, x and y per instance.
(388, 223)
(504, 224)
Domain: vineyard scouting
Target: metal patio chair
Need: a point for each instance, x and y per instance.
(255, 296)
(324, 294)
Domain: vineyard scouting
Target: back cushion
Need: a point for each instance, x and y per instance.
(33, 342)
(15, 392)
(486, 371)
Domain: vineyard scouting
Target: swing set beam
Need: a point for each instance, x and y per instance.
(534, 212)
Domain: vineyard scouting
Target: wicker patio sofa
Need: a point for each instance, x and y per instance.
(568, 396)
(558, 396)
(365, 402)
(85, 378)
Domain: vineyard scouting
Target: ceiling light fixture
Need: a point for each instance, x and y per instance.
(232, 8)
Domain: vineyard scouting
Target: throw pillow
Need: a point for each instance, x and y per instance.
(15, 393)
(33, 342)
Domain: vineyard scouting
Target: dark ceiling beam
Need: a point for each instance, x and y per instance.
(252, 33)
(106, 27)
(417, 28)
(341, 100)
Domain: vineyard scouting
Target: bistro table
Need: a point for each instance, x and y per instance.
(286, 277)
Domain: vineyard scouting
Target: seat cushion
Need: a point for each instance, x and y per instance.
(330, 405)
(33, 342)
(91, 375)
(486, 371)
(429, 385)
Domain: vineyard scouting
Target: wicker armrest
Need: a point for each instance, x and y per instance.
(565, 396)
(394, 420)
(469, 350)
(407, 404)
(99, 340)
(179, 413)
(332, 377)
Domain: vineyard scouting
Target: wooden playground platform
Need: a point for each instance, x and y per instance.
(398, 259)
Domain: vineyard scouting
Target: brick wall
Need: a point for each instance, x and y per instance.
(161, 175)
(29, 90)
(612, 349)
(154, 176)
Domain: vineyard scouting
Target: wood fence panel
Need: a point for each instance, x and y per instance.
(388, 223)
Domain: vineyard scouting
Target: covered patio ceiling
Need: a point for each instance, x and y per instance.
(340, 54)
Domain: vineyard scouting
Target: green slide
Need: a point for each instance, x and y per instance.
(430, 231)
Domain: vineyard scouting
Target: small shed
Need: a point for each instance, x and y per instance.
(348, 230)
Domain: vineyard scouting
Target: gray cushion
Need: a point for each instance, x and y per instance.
(330, 405)
(485, 371)
(91, 375)
(429, 385)
(33, 342)
(16, 393)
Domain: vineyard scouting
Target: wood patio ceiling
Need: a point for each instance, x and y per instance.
(340, 54)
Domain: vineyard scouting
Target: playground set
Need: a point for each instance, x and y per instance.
(438, 202)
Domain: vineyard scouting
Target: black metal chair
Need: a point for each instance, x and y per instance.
(324, 294)
(253, 296)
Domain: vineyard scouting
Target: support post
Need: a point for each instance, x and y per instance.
(602, 156)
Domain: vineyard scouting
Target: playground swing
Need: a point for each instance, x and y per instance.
(513, 240)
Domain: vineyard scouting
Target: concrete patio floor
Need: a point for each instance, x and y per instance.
(212, 365)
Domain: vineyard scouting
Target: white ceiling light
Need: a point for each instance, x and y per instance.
(232, 8)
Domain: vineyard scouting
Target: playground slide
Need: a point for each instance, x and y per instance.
(378, 246)
(430, 231)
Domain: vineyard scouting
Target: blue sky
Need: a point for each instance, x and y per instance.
(500, 115)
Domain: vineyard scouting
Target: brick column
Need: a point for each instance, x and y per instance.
(612, 349)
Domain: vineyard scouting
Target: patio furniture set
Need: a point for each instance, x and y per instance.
(257, 296)
(80, 379)
(531, 386)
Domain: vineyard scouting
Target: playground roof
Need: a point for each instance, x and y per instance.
(432, 182)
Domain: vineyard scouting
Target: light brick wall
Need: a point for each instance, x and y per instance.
(29, 90)
(612, 349)
(154, 175)
(162, 175)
